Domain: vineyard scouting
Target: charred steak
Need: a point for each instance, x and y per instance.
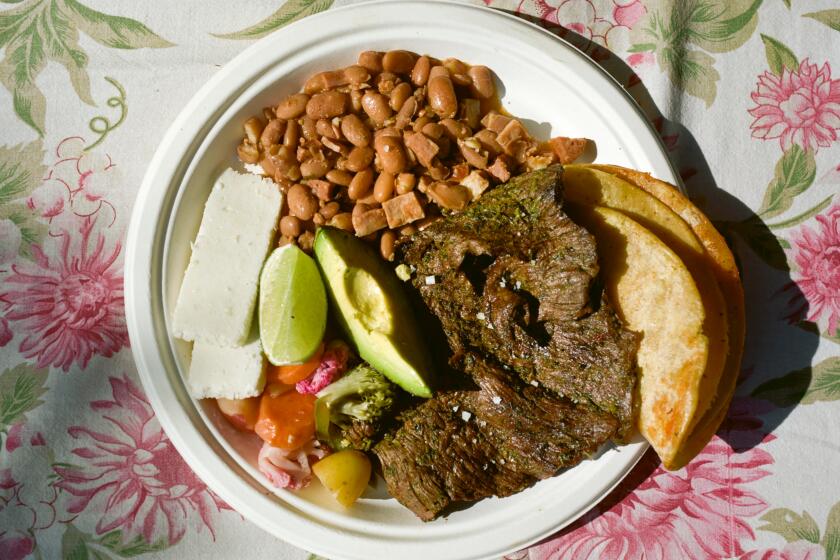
(513, 282)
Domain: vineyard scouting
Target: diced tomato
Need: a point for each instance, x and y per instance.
(241, 413)
(298, 372)
(287, 420)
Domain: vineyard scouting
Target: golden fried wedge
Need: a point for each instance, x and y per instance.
(592, 187)
(725, 270)
(654, 294)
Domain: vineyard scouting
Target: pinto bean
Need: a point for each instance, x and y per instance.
(314, 168)
(302, 204)
(291, 135)
(356, 100)
(327, 104)
(449, 196)
(309, 128)
(339, 177)
(455, 66)
(456, 130)
(323, 81)
(400, 94)
(398, 61)
(442, 96)
(356, 132)
(329, 210)
(406, 113)
(371, 60)
(342, 220)
(482, 81)
(292, 107)
(383, 189)
(272, 132)
(376, 106)
(405, 183)
(386, 245)
(325, 127)
(391, 153)
(361, 183)
(290, 226)
(420, 72)
(359, 158)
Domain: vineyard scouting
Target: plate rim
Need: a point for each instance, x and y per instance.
(137, 293)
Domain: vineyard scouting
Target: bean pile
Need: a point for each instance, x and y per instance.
(386, 146)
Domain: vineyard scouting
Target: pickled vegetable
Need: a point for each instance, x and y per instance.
(345, 474)
(286, 420)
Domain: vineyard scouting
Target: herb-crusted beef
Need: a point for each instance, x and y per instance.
(463, 446)
(513, 282)
(515, 278)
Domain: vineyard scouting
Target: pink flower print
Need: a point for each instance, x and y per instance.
(800, 550)
(605, 22)
(801, 106)
(13, 438)
(78, 181)
(17, 520)
(697, 512)
(628, 13)
(6, 334)
(71, 305)
(132, 476)
(10, 238)
(637, 60)
(48, 200)
(816, 253)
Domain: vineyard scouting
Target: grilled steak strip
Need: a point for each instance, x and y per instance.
(513, 283)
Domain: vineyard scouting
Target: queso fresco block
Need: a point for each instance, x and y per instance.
(217, 298)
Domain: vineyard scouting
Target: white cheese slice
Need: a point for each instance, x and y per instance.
(219, 292)
(227, 372)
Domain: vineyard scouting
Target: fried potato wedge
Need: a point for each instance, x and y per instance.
(723, 266)
(655, 295)
(591, 187)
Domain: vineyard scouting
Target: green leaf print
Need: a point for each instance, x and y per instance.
(804, 216)
(761, 240)
(794, 527)
(787, 3)
(795, 172)
(292, 10)
(21, 170)
(20, 389)
(806, 385)
(830, 18)
(40, 30)
(682, 32)
(692, 72)
(32, 230)
(114, 542)
(113, 31)
(791, 526)
(778, 55)
(831, 539)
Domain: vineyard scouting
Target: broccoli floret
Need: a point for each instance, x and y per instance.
(362, 397)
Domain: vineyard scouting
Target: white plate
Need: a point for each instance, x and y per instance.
(545, 80)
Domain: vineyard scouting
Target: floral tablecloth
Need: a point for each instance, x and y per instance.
(746, 97)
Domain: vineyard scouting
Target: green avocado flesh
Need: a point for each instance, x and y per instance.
(372, 309)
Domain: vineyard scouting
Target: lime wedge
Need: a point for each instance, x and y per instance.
(293, 306)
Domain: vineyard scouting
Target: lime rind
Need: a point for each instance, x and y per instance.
(292, 306)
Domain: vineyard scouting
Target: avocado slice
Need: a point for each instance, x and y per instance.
(373, 309)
